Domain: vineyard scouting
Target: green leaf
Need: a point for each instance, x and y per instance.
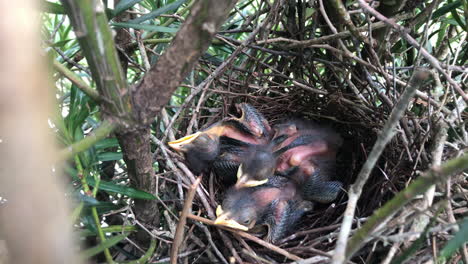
(53, 8)
(125, 190)
(109, 229)
(163, 10)
(146, 27)
(102, 207)
(107, 143)
(107, 156)
(458, 19)
(446, 8)
(86, 199)
(88, 221)
(441, 33)
(61, 44)
(460, 238)
(106, 244)
(123, 5)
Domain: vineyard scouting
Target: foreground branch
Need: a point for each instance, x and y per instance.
(388, 131)
(419, 186)
(188, 45)
(179, 235)
(92, 30)
(34, 216)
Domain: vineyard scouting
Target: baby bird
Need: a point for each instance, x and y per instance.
(308, 159)
(248, 164)
(254, 120)
(275, 204)
(203, 147)
(297, 143)
(259, 164)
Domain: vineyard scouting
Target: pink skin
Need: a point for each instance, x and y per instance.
(288, 141)
(256, 129)
(300, 156)
(279, 210)
(233, 133)
(267, 195)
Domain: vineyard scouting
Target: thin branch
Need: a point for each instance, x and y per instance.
(248, 236)
(147, 255)
(404, 33)
(417, 187)
(92, 30)
(193, 38)
(344, 15)
(340, 35)
(219, 71)
(179, 235)
(77, 81)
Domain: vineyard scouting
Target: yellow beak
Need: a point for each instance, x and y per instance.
(244, 181)
(223, 219)
(177, 144)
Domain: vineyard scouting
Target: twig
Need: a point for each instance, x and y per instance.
(328, 38)
(179, 235)
(344, 15)
(391, 253)
(70, 61)
(77, 81)
(385, 136)
(437, 150)
(181, 255)
(255, 256)
(248, 236)
(220, 70)
(403, 32)
(419, 186)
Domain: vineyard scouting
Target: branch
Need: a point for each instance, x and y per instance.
(404, 33)
(419, 186)
(320, 40)
(248, 236)
(179, 235)
(92, 30)
(385, 136)
(77, 81)
(191, 41)
(222, 68)
(344, 16)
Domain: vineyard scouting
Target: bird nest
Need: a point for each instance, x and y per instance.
(355, 99)
(358, 115)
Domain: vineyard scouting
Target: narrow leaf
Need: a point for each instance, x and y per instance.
(109, 229)
(458, 19)
(460, 238)
(146, 27)
(124, 5)
(107, 156)
(52, 8)
(165, 9)
(446, 8)
(106, 244)
(125, 190)
(107, 143)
